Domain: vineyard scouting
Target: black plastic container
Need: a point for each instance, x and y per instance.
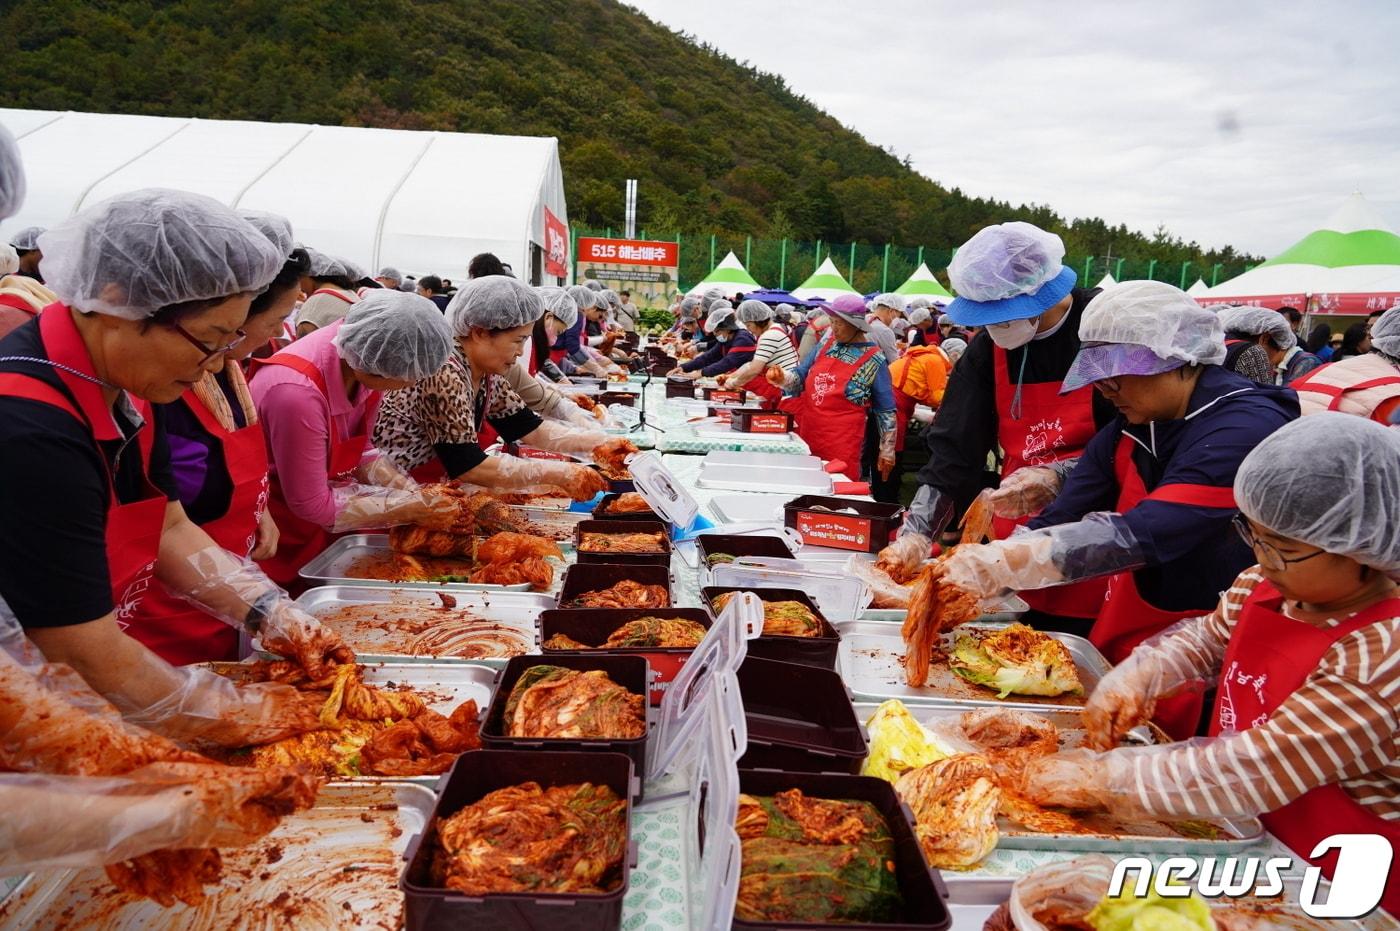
(581, 578)
(758, 420)
(660, 365)
(472, 777)
(596, 381)
(724, 395)
(595, 625)
(800, 719)
(810, 651)
(921, 886)
(630, 672)
(869, 530)
(680, 388)
(710, 544)
(662, 558)
(625, 398)
(602, 511)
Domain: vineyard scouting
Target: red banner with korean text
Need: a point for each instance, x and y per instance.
(556, 246)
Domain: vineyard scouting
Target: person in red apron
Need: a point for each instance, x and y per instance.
(773, 346)
(330, 284)
(317, 400)
(434, 427)
(1149, 502)
(1004, 395)
(219, 462)
(833, 392)
(154, 286)
(1367, 385)
(1302, 729)
(21, 299)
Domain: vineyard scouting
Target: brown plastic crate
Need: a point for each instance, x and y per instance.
(620, 527)
(739, 544)
(799, 719)
(758, 420)
(595, 625)
(601, 511)
(581, 578)
(869, 530)
(812, 651)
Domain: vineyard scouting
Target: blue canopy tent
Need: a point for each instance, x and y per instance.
(775, 297)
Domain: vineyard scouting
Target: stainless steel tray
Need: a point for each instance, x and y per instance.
(870, 661)
(556, 524)
(747, 460)
(333, 866)
(755, 478)
(484, 627)
(1005, 611)
(443, 686)
(723, 430)
(1068, 723)
(333, 563)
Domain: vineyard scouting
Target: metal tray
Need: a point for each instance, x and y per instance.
(723, 430)
(747, 460)
(1004, 611)
(509, 619)
(333, 866)
(1066, 722)
(754, 478)
(870, 662)
(330, 567)
(557, 524)
(443, 686)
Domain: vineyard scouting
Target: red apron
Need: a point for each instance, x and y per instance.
(1337, 392)
(340, 295)
(1127, 619)
(18, 303)
(174, 629)
(760, 385)
(1271, 655)
(832, 426)
(133, 529)
(1039, 428)
(300, 540)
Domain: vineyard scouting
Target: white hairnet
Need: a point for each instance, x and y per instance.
(27, 239)
(277, 228)
(945, 320)
(1259, 321)
(723, 320)
(1005, 261)
(610, 297)
(920, 315)
(894, 302)
(9, 259)
(953, 348)
(559, 303)
(584, 297)
(11, 175)
(1385, 333)
(1155, 315)
(918, 302)
(495, 302)
(1330, 480)
(690, 308)
(390, 271)
(133, 254)
(593, 286)
(709, 297)
(330, 266)
(754, 312)
(717, 311)
(899, 327)
(394, 335)
(409, 284)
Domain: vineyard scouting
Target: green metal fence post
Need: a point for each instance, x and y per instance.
(609, 232)
(782, 267)
(1118, 270)
(748, 250)
(1215, 273)
(817, 258)
(1088, 265)
(885, 272)
(921, 255)
(1184, 267)
(712, 252)
(851, 267)
(573, 250)
(1151, 267)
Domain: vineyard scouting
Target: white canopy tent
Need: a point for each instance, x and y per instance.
(1107, 281)
(424, 202)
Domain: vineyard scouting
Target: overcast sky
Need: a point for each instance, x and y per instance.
(1239, 123)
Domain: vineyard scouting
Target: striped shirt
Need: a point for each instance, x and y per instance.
(774, 348)
(1341, 726)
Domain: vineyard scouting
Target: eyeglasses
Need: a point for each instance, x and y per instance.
(1110, 385)
(1269, 556)
(238, 337)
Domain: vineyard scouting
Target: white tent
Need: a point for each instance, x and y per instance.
(729, 276)
(1106, 281)
(1199, 288)
(424, 202)
(826, 282)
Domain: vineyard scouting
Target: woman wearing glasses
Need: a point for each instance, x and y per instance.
(1150, 501)
(1303, 732)
(153, 288)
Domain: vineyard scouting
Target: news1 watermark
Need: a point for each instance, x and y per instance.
(1358, 882)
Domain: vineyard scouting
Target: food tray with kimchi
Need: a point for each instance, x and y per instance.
(363, 552)
(871, 661)
(396, 625)
(333, 866)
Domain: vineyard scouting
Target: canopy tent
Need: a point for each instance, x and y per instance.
(826, 282)
(1199, 288)
(1351, 265)
(923, 284)
(424, 202)
(774, 297)
(729, 276)
(1106, 281)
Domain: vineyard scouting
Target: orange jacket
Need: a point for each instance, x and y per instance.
(922, 373)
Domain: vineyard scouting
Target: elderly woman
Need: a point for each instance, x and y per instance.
(1303, 728)
(317, 400)
(1269, 330)
(773, 347)
(434, 425)
(330, 286)
(570, 349)
(1367, 385)
(1150, 501)
(154, 287)
(729, 347)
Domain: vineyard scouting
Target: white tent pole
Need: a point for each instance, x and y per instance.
(238, 198)
(78, 204)
(389, 199)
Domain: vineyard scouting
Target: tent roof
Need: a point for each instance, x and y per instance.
(1106, 281)
(730, 275)
(922, 282)
(1200, 287)
(826, 282)
(424, 201)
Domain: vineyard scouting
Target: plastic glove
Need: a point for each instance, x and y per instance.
(580, 482)
(928, 514)
(370, 507)
(1068, 779)
(381, 470)
(560, 439)
(575, 416)
(902, 558)
(82, 821)
(1025, 492)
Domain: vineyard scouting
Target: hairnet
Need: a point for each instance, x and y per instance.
(709, 297)
(1331, 480)
(9, 259)
(945, 320)
(559, 303)
(953, 347)
(754, 312)
(330, 266)
(27, 239)
(717, 310)
(277, 228)
(723, 320)
(495, 302)
(610, 297)
(394, 335)
(690, 308)
(133, 254)
(593, 285)
(919, 315)
(390, 271)
(410, 285)
(1004, 261)
(1385, 333)
(584, 297)
(11, 175)
(1259, 321)
(893, 301)
(1157, 316)
(899, 327)
(918, 302)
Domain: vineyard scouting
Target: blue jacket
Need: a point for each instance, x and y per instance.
(571, 341)
(723, 357)
(1192, 553)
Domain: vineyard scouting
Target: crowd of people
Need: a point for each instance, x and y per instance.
(193, 402)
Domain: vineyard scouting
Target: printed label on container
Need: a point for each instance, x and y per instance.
(527, 452)
(718, 395)
(768, 423)
(834, 530)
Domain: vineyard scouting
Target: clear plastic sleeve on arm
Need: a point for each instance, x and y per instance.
(1026, 491)
(379, 469)
(579, 481)
(371, 507)
(570, 441)
(928, 514)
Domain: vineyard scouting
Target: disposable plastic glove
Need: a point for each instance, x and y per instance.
(571, 442)
(578, 481)
(371, 507)
(381, 470)
(902, 558)
(1025, 492)
(928, 514)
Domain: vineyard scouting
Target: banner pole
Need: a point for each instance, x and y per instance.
(782, 267)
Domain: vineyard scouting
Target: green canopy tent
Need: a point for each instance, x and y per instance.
(826, 282)
(729, 276)
(923, 284)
